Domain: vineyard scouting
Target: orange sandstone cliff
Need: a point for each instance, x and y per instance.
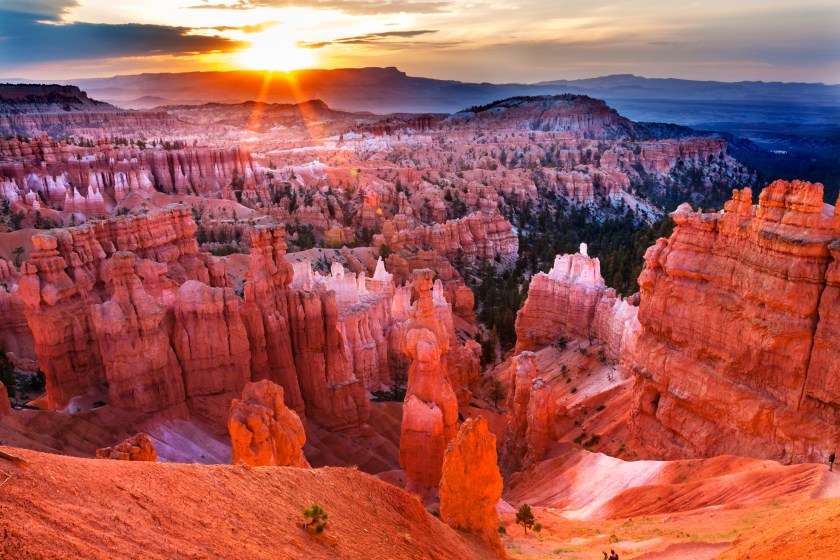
(737, 350)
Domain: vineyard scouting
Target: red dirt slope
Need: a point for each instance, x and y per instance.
(66, 507)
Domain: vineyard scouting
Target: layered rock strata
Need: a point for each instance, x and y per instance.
(477, 236)
(737, 351)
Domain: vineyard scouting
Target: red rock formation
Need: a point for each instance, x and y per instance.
(5, 405)
(560, 303)
(91, 181)
(463, 362)
(542, 413)
(263, 431)
(15, 336)
(430, 411)
(478, 235)
(267, 313)
(214, 372)
(333, 395)
(573, 301)
(823, 385)
(136, 448)
(471, 485)
(142, 370)
(57, 311)
(523, 371)
(67, 278)
(578, 115)
(736, 311)
(661, 156)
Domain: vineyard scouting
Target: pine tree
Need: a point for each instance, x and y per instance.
(525, 517)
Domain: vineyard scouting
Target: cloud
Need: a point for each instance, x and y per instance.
(51, 10)
(243, 28)
(25, 38)
(354, 7)
(369, 39)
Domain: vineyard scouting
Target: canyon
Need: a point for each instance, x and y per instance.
(265, 307)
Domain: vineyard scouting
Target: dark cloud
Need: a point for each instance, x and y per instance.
(356, 7)
(370, 38)
(51, 10)
(24, 39)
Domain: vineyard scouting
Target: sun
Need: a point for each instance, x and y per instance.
(273, 51)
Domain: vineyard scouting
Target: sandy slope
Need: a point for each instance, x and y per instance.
(809, 530)
(594, 486)
(65, 507)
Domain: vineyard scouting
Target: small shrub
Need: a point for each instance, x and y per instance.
(538, 527)
(574, 390)
(316, 519)
(592, 441)
(580, 438)
(502, 530)
(600, 407)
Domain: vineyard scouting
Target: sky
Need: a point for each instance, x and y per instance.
(469, 40)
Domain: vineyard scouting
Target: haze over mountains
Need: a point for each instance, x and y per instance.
(385, 90)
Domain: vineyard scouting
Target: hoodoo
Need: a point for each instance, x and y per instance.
(471, 485)
(263, 430)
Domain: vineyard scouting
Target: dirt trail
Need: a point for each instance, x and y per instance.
(687, 551)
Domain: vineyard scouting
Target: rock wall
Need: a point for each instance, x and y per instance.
(737, 351)
(67, 288)
(263, 431)
(477, 236)
(45, 173)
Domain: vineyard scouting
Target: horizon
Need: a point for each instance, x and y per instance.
(475, 42)
(21, 80)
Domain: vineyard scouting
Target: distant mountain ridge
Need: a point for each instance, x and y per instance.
(19, 99)
(387, 90)
(634, 86)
